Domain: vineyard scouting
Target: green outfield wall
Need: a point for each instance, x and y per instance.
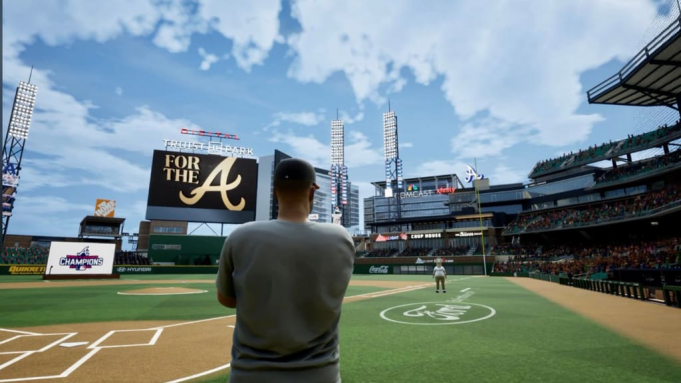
(377, 268)
(185, 249)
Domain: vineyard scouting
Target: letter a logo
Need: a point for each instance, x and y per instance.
(223, 170)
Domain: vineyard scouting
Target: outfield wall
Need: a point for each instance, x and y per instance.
(185, 249)
(376, 268)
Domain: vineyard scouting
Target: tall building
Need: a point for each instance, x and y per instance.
(339, 172)
(352, 209)
(393, 166)
(13, 150)
(267, 207)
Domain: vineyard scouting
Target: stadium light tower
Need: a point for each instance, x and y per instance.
(13, 151)
(339, 172)
(393, 165)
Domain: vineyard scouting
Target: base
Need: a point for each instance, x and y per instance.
(83, 276)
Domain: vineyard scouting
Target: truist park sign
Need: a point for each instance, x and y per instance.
(211, 147)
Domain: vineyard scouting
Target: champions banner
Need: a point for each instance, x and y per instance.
(80, 258)
(202, 188)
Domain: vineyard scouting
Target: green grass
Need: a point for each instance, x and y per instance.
(28, 307)
(125, 277)
(530, 339)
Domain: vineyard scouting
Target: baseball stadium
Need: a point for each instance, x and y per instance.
(572, 277)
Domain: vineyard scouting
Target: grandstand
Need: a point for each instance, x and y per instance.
(626, 216)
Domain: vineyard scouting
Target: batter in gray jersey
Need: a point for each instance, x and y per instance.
(287, 279)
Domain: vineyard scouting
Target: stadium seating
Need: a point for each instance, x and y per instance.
(130, 258)
(381, 253)
(25, 256)
(606, 149)
(641, 168)
(593, 259)
(451, 251)
(597, 213)
(416, 252)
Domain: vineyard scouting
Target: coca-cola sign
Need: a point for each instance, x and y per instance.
(378, 270)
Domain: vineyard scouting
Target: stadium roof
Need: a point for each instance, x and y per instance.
(651, 78)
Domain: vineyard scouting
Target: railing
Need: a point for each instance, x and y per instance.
(637, 176)
(673, 135)
(642, 56)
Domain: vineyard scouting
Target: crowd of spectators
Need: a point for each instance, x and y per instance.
(380, 253)
(416, 252)
(642, 167)
(516, 250)
(130, 258)
(451, 251)
(35, 255)
(596, 151)
(597, 213)
(590, 259)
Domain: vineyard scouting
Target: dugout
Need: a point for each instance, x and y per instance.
(202, 250)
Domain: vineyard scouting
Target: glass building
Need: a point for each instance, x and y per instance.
(267, 207)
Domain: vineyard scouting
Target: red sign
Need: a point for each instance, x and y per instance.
(448, 190)
(208, 134)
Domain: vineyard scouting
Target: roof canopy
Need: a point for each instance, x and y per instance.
(651, 78)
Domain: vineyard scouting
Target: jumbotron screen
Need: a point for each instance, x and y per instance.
(202, 188)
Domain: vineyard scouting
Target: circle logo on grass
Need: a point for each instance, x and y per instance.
(437, 313)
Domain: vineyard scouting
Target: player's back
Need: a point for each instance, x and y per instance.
(289, 279)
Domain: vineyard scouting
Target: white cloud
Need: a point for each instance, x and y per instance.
(358, 149)
(208, 59)
(301, 118)
(504, 175)
(348, 119)
(50, 215)
(487, 137)
(118, 91)
(519, 62)
(438, 167)
(253, 27)
(406, 145)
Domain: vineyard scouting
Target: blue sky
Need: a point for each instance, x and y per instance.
(503, 81)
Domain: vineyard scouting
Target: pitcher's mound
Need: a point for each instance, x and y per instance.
(163, 291)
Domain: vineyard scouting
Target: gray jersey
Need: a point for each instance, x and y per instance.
(289, 280)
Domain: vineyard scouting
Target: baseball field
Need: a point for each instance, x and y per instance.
(170, 328)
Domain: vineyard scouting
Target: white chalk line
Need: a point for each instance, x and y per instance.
(388, 292)
(160, 294)
(95, 350)
(200, 374)
(192, 322)
(464, 290)
(19, 332)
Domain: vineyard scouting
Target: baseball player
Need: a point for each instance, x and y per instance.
(440, 275)
(287, 279)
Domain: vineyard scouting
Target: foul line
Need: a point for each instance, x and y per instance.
(200, 374)
(19, 332)
(464, 290)
(192, 322)
(388, 292)
(154, 294)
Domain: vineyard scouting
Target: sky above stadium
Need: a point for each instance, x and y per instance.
(502, 81)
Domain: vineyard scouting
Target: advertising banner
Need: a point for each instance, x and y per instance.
(202, 188)
(80, 258)
(105, 208)
(24, 270)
